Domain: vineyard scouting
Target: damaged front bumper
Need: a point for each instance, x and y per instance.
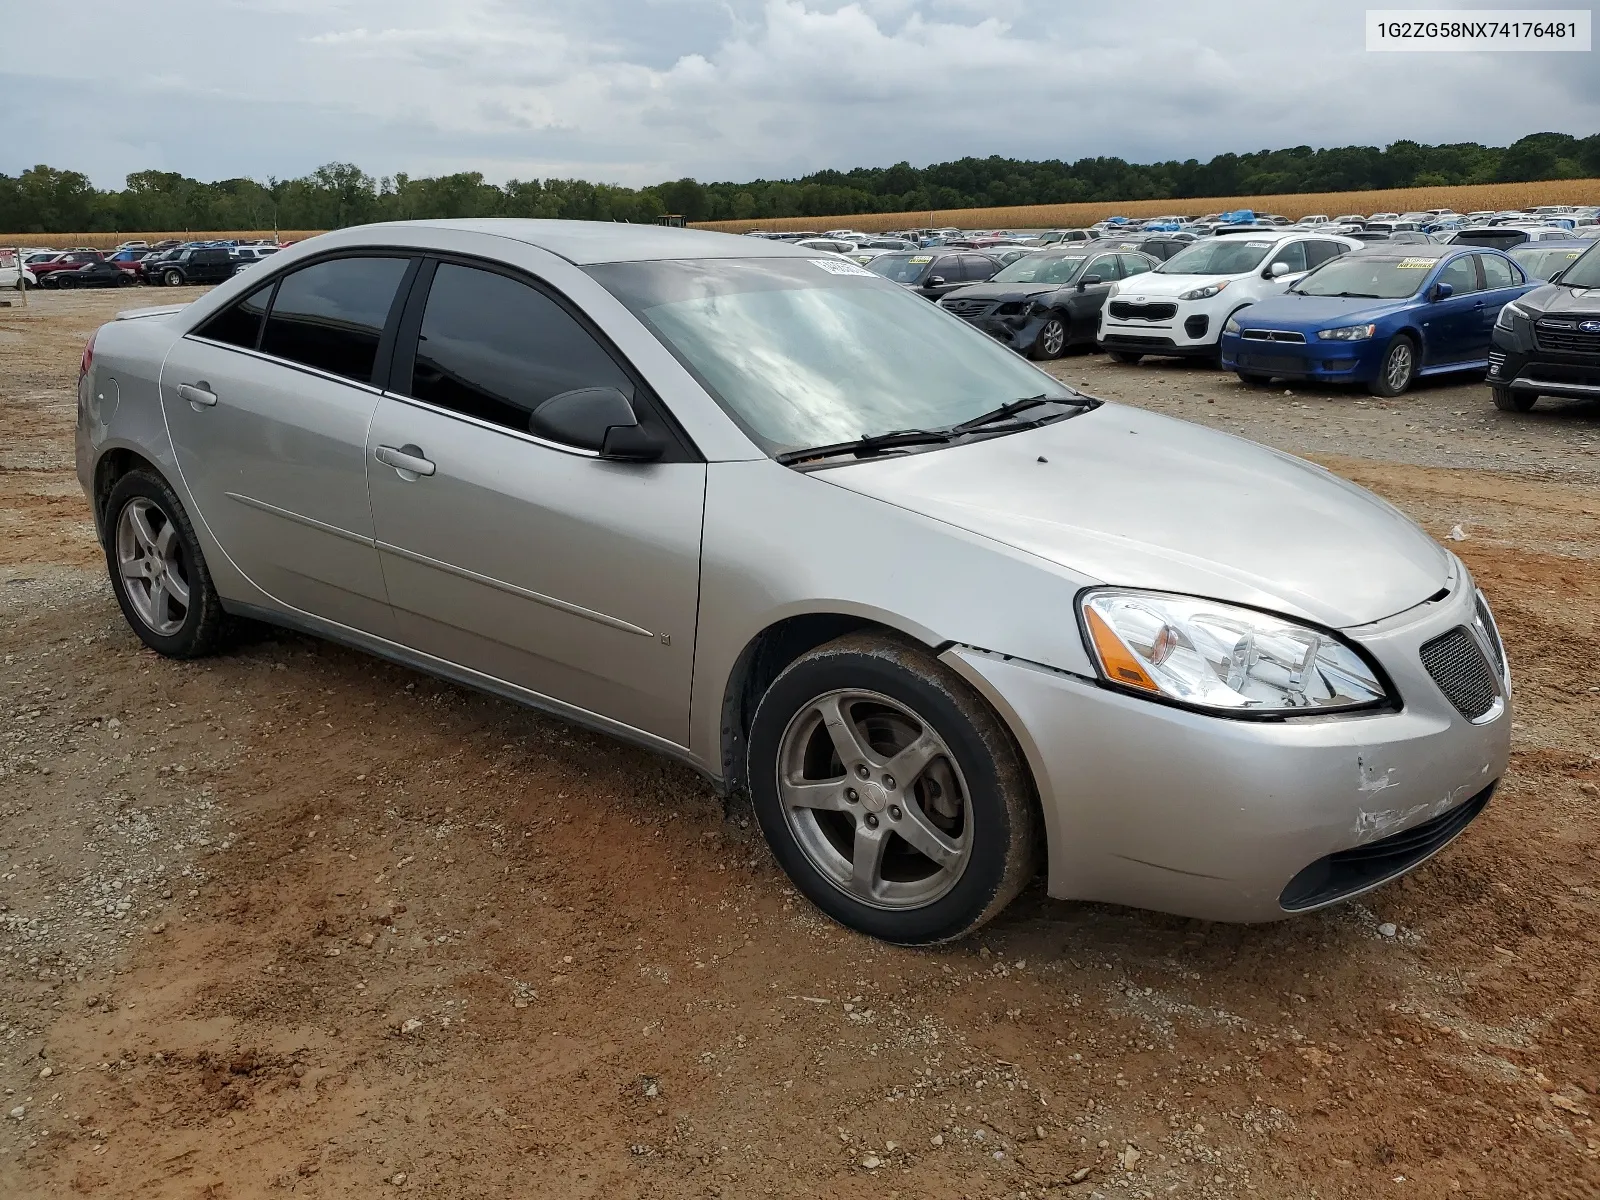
(1165, 808)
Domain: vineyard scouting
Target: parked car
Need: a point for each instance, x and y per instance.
(69, 260)
(1547, 343)
(932, 273)
(1179, 308)
(1541, 260)
(129, 260)
(1504, 237)
(1382, 318)
(1047, 301)
(193, 264)
(1130, 618)
(14, 273)
(91, 275)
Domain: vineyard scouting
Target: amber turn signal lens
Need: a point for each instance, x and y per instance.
(1116, 659)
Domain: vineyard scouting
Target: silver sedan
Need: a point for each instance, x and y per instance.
(944, 618)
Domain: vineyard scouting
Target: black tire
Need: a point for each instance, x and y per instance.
(204, 621)
(1391, 381)
(172, 278)
(999, 812)
(1250, 379)
(124, 279)
(1126, 356)
(1051, 341)
(1507, 400)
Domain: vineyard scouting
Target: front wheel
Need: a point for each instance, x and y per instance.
(1052, 338)
(1249, 379)
(1398, 370)
(1507, 400)
(157, 570)
(1126, 356)
(892, 796)
(172, 278)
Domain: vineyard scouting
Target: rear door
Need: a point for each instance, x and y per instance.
(1502, 283)
(268, 412)
(534, 563)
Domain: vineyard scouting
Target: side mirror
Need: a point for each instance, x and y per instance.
(1088, 281)
(1277, 269)
(1441, 291)
(599, 419)
(934, 281)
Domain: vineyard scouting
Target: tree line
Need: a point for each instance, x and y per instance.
(46, 199)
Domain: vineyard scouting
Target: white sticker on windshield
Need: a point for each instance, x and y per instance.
(1415, 264)
(1259, 245)
(837, 266)
(921, 258)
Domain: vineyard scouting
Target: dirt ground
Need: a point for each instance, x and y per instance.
(295, 921)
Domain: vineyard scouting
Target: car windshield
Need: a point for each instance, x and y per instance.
(805, 354)
(1385, 278)
(1041, 268)
(1543, 262)
(1585, 273)
(1218, 256)
(902, 268)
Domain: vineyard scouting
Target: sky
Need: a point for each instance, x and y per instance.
(649, 90)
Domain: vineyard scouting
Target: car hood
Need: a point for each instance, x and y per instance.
(1128, 497)
(1153, 283)
(1318, 312)
(1554, 300)
(1002, 291)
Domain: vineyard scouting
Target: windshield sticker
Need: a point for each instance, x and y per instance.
(1416, 264)
(1126, 246)
(921, 258)
(838, 266)
(1574, 253)
(1259, 245)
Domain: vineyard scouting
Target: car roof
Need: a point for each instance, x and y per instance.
(587, 242)
(1554, 244)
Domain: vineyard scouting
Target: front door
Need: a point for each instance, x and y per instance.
(1451, 324)
(268, 412)
(540, 565)
(1085, 304)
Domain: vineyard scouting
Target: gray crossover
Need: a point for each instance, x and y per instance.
(946, 619)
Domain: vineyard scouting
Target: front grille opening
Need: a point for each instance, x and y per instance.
(1349, 871)
(1462, 673)
(1492, 634)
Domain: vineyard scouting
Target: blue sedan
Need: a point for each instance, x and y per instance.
(1380, 317)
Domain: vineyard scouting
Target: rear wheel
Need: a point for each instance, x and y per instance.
(158, 573)
(1052, 338)
(890, 793)
(1507, 400)
(1399, 368)
(1126, 356)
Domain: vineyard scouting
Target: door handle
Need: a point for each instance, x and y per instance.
(198, 394)
(405, 458)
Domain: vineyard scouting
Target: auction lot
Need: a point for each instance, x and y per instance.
(293, 921)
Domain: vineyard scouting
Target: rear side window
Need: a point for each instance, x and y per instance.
(331, 315)
(240, 323)
(494, 348)
(1318, 253)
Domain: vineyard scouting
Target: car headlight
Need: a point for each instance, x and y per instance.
(1231, 325)
(1507, 312)
(1347, 333)
(1204, 293)
(1220, 658)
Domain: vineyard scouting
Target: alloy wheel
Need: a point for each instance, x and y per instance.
(1052, 338)
(150, 561)
(1397, 370)
(874, 799)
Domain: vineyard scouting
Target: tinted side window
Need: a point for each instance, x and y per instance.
(494, 348)
(1294, 254)
(1460, 274)
(1105, 266)
(1498, 273)
(979, 267)
(1136, 264)
(239, 324)
(1318, 253)
(949, 267)
(330, 315)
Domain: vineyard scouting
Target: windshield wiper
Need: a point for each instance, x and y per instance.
(1344, 295)
(866, 447)
(1012, 407)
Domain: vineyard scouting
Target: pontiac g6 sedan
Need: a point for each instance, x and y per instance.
(945, 618)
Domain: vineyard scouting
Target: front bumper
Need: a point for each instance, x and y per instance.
(1190, 331)
(1020, 331)
(1159, 807)
(1314, 360)
(1517, 362)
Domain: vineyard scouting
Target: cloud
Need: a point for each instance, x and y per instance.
(635, 91)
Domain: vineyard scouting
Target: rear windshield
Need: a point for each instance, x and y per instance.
(1500, 239)
(1218, 256)
(1367, 276)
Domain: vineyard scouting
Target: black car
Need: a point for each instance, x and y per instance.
(1547, 343)
(193, 264)
(95, 274)
(1044, 302)
(936, 271)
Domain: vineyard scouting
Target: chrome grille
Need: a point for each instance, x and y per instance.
(967, 308)
(1462, 673)
(1124, 310)
(1491, 635)
(1273, 335)
(1562, 334)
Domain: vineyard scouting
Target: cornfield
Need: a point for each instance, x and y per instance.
(1464, 198)
(107, 241)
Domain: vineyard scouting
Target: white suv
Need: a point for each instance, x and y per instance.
(1179, 308)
